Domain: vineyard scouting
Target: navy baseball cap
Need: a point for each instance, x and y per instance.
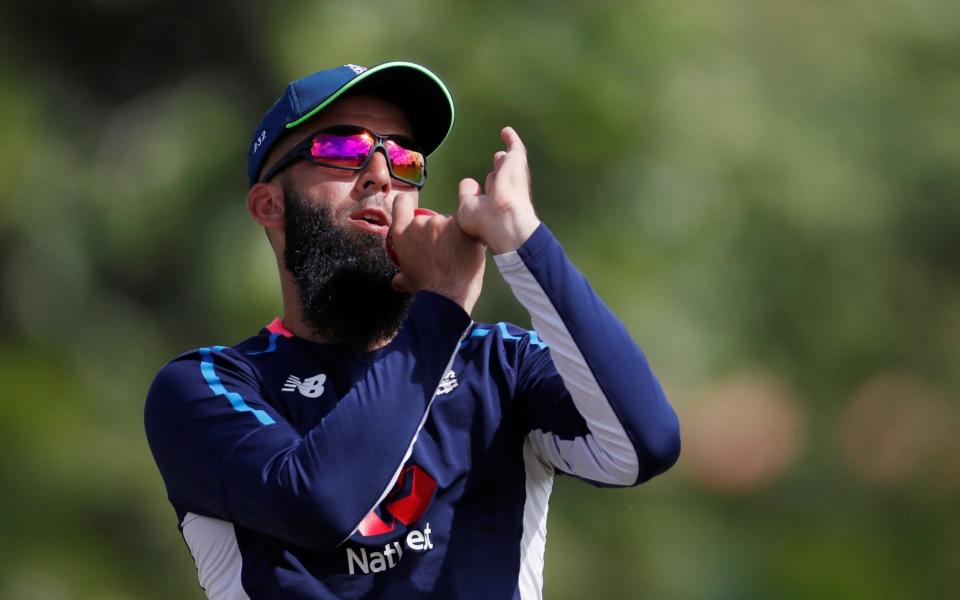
(413, 88)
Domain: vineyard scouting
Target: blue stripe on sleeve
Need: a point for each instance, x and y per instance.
(505, 333)
(482, 332)
(236, 400)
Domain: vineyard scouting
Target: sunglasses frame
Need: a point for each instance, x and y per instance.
(302, 151)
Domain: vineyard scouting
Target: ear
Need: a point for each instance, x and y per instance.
(265, 204)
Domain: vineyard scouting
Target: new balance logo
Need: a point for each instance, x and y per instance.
(311, 387)
(448, 382)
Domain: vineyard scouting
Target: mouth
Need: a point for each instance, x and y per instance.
(374, 220)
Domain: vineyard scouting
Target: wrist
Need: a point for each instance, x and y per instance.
(512, 234)
(462, 296)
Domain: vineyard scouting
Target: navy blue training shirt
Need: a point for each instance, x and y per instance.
(420, 470)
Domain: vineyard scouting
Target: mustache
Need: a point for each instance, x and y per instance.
(377, 200)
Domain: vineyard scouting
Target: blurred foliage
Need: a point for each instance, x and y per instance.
(768, 193)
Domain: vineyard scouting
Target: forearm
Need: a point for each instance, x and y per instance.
(634, 431)
(225, 451)
(351, 458)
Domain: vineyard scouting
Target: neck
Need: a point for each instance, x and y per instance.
(292, 316)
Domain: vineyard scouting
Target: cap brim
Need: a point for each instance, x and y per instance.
(414, 89)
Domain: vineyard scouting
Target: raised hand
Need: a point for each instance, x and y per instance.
(501, 213)
(434, 254)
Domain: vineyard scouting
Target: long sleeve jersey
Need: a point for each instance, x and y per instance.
(420, 470)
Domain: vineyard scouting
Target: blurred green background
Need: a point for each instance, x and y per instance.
(768, 193)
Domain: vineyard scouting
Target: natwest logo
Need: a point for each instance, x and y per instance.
(403, 506)
(376, 561)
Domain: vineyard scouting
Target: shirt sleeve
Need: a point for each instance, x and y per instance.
(225, 452)
(591, 404)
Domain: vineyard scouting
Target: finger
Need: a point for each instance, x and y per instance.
(399, 283)
(489, 180)
(512, 140)
(468, 187)
(403, 207)
(498, 158)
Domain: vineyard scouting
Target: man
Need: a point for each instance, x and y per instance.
(375, 442)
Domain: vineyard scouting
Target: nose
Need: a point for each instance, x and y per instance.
(375, 177)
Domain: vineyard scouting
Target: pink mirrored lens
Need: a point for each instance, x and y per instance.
(406, 163)
(341, 151)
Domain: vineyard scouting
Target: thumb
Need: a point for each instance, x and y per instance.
(469, 187)
(470, 197)
(469, 216)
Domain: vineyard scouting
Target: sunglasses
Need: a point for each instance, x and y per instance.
(351, 147)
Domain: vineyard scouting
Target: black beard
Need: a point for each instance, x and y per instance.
(343, 277)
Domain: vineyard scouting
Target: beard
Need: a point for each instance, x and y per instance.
(343, 277)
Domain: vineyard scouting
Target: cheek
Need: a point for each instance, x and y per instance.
(324, 183)
(335, 195)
